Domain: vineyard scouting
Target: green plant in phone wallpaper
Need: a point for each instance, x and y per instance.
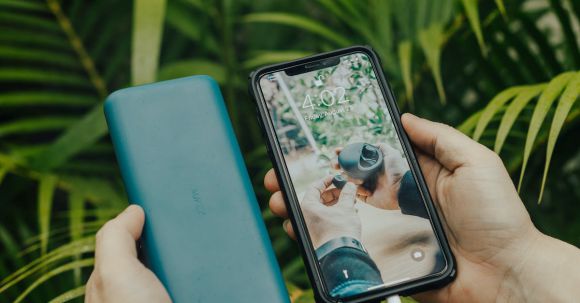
(505, 73)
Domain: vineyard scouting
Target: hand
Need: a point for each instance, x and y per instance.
(332, 217)
(385, 195)
(118, 275)
(500, 255)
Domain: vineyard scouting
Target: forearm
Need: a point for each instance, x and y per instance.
(549, 273)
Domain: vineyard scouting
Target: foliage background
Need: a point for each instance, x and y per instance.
(505, 73)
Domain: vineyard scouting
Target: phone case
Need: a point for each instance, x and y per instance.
(204, 236)
(297, 220)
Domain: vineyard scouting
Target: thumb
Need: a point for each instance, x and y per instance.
(447, 145)
(115, 241)
(347, 195)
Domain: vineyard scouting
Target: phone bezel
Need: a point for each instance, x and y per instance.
(298, 223)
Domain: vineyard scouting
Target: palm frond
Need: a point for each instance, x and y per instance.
(509, 104)
(148, 20)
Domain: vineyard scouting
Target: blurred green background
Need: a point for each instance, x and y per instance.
(506, 74)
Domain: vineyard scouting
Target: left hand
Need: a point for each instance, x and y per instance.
(118, 275)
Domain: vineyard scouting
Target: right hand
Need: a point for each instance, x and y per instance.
(331, 217)
(500, 255)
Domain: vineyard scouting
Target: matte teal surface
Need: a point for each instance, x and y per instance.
(204, 235)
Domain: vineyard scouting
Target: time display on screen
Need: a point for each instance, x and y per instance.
(327, 97)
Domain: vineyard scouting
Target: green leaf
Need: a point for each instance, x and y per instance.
(148, 17)
(192, 67)
(85, 245)
(567, 100)
(76, 138)
(42, 76)
(46, 276)
(431, 41)
(550, 94)
(27, 98)
(271, 57)
(32, 21)
(299, 22)
(69, 295)
(76, 219)
(501, 8)
(468, 125)
(512, 112)
(23, 5)
(3, 171)
(34, 125)
(472, 12)
(491, 109)
(405, 54)
(45, 197)
(27, 54)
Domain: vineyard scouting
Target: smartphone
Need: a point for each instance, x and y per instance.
(204, 237)
(330, 119)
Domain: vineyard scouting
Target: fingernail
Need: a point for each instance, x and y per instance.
(286, 225)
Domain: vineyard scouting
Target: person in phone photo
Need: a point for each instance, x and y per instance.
(396, 230)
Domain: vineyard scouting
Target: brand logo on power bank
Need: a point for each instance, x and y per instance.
(198, 205)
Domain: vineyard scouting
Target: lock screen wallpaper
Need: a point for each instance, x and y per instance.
(357, 195)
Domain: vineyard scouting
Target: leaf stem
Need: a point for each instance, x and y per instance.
(78, 46)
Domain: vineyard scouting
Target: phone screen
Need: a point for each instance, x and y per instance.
(333, 126)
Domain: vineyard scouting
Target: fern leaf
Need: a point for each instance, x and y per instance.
(472, 12)
(45, 195)
(298, 22)
(69, 295)
(567, 100)
(492, 108)
(550, 94)
(512, 112)
(148, 20)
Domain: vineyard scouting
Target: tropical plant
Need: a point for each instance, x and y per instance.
(59, 59)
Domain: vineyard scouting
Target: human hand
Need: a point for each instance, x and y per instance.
(333, 216)
(384, 194)
(500, 255)
(118, 275)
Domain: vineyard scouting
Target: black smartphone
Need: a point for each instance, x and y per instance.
(330, 120)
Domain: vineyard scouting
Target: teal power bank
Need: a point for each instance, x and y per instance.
(204, 236)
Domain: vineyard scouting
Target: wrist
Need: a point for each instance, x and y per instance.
(351, 234)
(547, 270)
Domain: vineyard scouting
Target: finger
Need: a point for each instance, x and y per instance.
(289, 229)
(446, 144)
(334, 162)
(277, 205)
(385, 149)
(330, 195)
(430, 169)
(363, 192)
(347, 195)
(316, 188)
(115, 241)
(355, 181)
(271, 182)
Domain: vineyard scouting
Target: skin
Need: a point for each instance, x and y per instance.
(501, 256)
(385, 195)
(118, 276)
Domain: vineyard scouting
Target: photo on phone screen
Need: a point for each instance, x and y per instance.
(333, 126)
